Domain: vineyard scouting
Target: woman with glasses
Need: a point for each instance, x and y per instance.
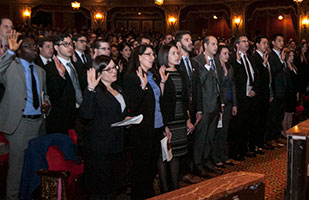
(143, 91)
(175, 106)
(103, 105)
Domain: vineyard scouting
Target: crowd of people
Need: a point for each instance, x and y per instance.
(216, 100)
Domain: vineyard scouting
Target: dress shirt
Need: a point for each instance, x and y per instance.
(29, 109)
(188, 68)
(249, 87)
(157, 93)
(208, 67)
(45, 60)
(121, 101)
(81, 56)
(279, 55)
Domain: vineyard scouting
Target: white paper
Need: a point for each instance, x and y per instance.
(166, 153)
(134, 120)
(220, 125)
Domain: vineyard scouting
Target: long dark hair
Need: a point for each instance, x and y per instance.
(134, 60)
(163, 54)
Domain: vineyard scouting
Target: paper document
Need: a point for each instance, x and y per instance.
(166, 152)
(220, 124)
(126, 122)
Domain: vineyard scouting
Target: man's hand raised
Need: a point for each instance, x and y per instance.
(12, 41)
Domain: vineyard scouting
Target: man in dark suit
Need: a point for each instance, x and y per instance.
(244, 123)
(189, 67)
(264, 92)
(80, 47)
(46, 48)
(22, 106)
(64, 87)
(205, 132)
(279, 85)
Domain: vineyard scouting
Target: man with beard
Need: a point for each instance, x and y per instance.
(190, 67)
(22, 107)
(64, 87)
(206, 130)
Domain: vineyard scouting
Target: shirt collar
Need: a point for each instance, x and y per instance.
(260, 53)
(277, 52)
(44, 60)
(25, 63)
(64, 61)
(79, 53)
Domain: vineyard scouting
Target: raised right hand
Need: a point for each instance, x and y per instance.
(91, 78)
(142, 77)
(12, 40)
(59, 66)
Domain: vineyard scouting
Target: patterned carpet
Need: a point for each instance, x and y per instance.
(273, 165)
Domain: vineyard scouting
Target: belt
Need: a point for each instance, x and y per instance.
(32, 116)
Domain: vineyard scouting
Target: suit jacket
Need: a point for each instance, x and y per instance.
(63, 102)
(79, 59)
(103, 109)
(226, 82)
(208, 84)
(262, 90)
(279, 75)
(39, 62)
(12, 76)
(240, 77)
(193, 87)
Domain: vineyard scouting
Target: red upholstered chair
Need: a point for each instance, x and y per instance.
(60, 181)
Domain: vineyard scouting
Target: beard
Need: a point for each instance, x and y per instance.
(186, 49)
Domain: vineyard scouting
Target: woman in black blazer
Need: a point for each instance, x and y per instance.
(228, 91)
(142, 88)
(103, 105)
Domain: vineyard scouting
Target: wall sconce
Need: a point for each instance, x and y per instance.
(159, 2)
(75, 5)
(26, 13)
(280, 17)
(215, 17)
(305, 23)
(172, 21)
(98, 17)
(237, 22)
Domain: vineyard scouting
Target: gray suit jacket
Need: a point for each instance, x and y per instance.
(208, 84)
(12, 76)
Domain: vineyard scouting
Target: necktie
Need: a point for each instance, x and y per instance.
(84, 58)
(269, 72)
(35, 96)
(212, 65)
(73, 76)
(248, 70)
(188, 67)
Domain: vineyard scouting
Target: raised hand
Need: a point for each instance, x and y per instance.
(283, 54)
(164, 76)
(59, 66)
(238, 56)
(265, 58)
(91, 78)
(12, 40)
(142, 77)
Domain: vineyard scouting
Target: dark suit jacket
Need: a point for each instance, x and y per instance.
(279, 76)
(262, 90)
(208, 85)
(240, 77)
(79, 59)
(103, 109)
(63, 102)
(193, 86)
(226, 82)
(39, 62)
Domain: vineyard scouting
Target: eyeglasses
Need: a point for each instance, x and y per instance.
(110, 69)
(82, 41)
(66, 44)
(28, 46)
(149, 54)
(105, 48)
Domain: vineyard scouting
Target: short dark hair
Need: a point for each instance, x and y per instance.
(3, 19)
(163, 54)
(258, 39)
(77, 36)
(41, 41)
(179, 34)
(274, 37)
(100, 62)
(59, 38)
(96, 44)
